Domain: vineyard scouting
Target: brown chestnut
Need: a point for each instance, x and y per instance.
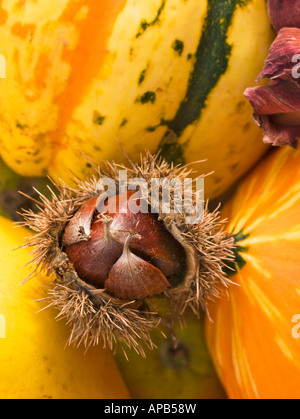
(132, 255)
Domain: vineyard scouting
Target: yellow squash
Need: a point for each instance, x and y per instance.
(159, 74)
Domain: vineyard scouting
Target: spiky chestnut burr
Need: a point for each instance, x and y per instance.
(111, 267)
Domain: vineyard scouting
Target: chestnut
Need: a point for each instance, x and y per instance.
(118, 274)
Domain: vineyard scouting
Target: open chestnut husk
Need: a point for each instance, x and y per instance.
(111, 265)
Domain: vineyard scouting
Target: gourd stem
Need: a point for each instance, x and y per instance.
(239, 262)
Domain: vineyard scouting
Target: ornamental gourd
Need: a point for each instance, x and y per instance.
(253, 335)
(162, 74)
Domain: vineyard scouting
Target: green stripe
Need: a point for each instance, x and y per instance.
(144, 25)
(212, 59)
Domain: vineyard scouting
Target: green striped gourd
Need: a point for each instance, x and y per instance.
(169, 75)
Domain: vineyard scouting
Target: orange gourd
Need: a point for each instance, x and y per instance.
(254, 328)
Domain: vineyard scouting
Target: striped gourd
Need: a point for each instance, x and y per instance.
(159, 74)
(254, 336)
